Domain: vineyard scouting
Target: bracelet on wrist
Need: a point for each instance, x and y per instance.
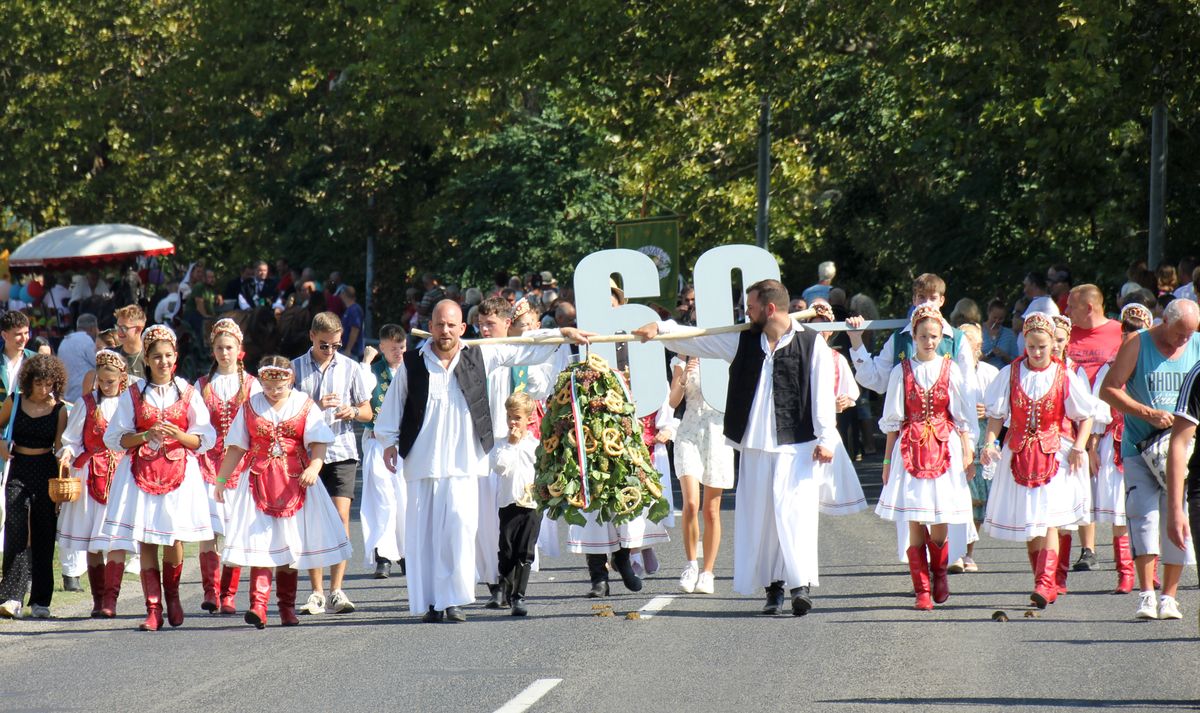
(222, 481)
(887, 461)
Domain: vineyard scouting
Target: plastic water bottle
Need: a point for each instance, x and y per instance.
(989, 471)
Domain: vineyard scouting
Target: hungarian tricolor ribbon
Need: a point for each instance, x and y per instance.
(580, 448)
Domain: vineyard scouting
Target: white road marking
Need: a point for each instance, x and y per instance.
(525, 699)
(654, 606)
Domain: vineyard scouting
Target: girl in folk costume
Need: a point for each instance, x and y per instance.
(1108, 471)
(1083, 486)
(981, 484)
(658, 429)
(841, 492)
(83, 450)
(1032, 496)
(384, 496)
(224, 389)
(277, 520)
(927, 416)
(158, 497)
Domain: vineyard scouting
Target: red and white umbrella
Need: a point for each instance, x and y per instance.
(83, 246)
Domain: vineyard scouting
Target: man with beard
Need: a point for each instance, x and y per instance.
(784, 430)
(436, 416)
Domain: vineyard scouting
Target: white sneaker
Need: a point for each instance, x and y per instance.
(1146, 606)
(1168, 608)
(969, 565)
(40, 612)
(956, 567)
(340, 603)
(314, 605)
(10, 609)
(687, 580)
(704, 585)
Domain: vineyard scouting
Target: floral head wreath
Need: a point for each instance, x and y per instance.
(158, 333)
(521, 307)
(274, 373)
(225, 327)
(823, 312)
(1038, 321)
(1137, 312)
(924, 312)
(1062, 321)
(108, 359)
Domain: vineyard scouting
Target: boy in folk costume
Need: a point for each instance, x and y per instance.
(278, 521)
(785, 427)
(512, 461)
(224, 389)
(1036, 397)
(83, 450)
(927, 417)
(436, 416)
(158, 497)
(495, 320)
(384, 496)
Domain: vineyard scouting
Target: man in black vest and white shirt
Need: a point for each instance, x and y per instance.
(784, 427)
(444, 433)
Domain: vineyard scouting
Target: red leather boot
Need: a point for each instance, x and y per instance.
(1064, 562)
(286, 582)
(170, 577)
(210, 562)
(260, 590)
(1123, 557)
(918, 567)
(96, 583)
(939, 559)
(229, 586)
(114, 572)
(152, 590)
(1045, 591)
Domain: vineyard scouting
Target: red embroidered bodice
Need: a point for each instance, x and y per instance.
(101, 462)
(1035, 427)
(222, 414)
(159, 470)
(925, 432)
(277, 458)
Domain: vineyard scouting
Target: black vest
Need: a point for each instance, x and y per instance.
(793, 397)
(471, 378)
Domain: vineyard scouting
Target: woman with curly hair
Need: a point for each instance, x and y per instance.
(29, 531)
(158, 497)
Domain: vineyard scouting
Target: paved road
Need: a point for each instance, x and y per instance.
(862, 649)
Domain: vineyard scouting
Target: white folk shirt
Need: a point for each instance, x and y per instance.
(447, 445)
(513, 462)
(72, 437)
(1079, 404)
(123, 421)
(225, 386)
(926, 374)
(315, 428)
(760, 428)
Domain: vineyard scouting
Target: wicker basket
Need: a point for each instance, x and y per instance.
(64, 488)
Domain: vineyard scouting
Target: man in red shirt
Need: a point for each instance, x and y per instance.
(1095, 340)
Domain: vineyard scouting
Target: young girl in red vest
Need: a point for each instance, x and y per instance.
(1079, 479)
(224, 390)
(1032, 496)
(928, 417)
(158, 497)
(83, 451)
(277, 521)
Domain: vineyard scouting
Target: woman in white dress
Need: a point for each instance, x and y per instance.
(158, 497)
(702, 458)
(224, 389)
(1032, 495)
(927, 418)
(278, 522)
(83, 450)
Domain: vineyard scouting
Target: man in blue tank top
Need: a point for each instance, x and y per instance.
(1143, 384)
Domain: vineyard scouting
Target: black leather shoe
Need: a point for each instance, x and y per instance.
(801, 601)
(518, 606)
(71, 584)
(493, 601)
(598, 572)
(432, 616)
(774, 603)
(403, 567)
(454, 614)
(383, 570)
(624, 567)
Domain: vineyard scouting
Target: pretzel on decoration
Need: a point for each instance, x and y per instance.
(1038, 322)
(274, 373)
(924, 312)
(225, 327)
(158, 333)
(1137, 312)
(1062, 321)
